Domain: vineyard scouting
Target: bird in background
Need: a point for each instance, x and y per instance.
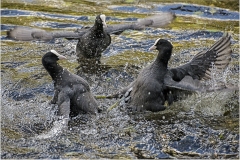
(91, 41)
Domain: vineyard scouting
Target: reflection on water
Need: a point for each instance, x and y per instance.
(201, 126)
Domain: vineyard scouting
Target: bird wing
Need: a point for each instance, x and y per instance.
(64, 103)
(217, 57)
(25, 33)
(182, 89)
(186, 84)
(158, 20)
(22, 33)
(83, 99)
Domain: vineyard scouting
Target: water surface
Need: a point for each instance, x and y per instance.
(201, 126)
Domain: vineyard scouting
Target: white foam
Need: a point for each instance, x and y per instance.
(58, 127)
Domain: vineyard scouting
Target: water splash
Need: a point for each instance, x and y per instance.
(58, 127)
(200, 120)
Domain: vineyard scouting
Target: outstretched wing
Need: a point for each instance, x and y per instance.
(180, 90)
(158, 20)
(25, 33)
(187, 84)
(200, 67)
(22, 33)
(185, 79)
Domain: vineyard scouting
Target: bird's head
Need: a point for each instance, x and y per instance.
(101, 19)
(161, 43)
(52, 57)
(164, 47)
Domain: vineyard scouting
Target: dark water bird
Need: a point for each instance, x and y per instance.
(71, 93)
(157, 84)
(92, 41)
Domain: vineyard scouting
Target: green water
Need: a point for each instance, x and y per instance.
(212, 118)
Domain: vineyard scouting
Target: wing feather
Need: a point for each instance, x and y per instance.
(201, 65)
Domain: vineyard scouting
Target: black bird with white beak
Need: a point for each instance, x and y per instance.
(157, 84)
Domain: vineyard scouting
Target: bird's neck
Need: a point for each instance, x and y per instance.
(98, 25)
(98, 28)
(162, 61)
(54, 69)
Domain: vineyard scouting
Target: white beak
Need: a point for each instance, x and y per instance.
(104, 24)
(103, 18)
(152, 48)
(59, 55)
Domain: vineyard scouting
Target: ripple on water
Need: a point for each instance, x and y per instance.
(15, 12)
(183, 9)
(199, 126)
(56, 25)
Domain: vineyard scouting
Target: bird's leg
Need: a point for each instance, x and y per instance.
(55, 97)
